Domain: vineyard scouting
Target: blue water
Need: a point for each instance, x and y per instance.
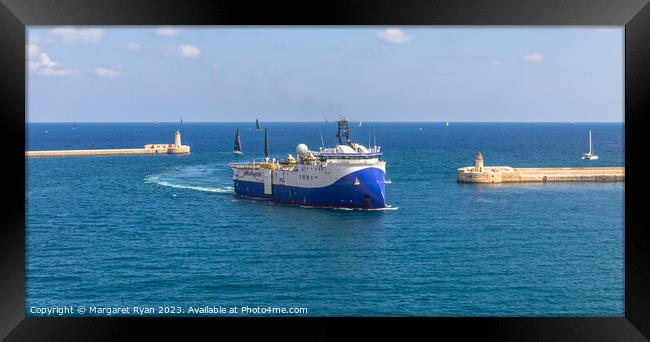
(167, 230)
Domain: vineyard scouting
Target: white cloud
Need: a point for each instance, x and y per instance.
(33, 51)
(40, 63)
(42, 60)
(108, 73)
(56, 72)
(189, 51)
(167, 31)
(69, 34)
(133, 46)
(393, 35)
(534, 57)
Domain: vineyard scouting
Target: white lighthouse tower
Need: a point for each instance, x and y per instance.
(177, 147)
(478, 166)
(177, 139)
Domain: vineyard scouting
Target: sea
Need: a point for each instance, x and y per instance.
(167, 231)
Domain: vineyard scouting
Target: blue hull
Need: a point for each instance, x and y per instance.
(369, 194)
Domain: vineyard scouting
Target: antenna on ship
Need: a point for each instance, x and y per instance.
(322, 143)
(266, 144)
(374, 130)
(343, 125)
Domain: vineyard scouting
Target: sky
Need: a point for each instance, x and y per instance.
(367, 73)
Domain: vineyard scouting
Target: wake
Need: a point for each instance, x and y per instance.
(155, 179)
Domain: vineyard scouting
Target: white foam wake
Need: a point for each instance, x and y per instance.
(156, 180)
(389, 208)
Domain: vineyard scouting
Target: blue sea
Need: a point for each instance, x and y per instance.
(168, 231)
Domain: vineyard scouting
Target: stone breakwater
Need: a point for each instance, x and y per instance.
(106, 152)
(507, 174)
(175, 148)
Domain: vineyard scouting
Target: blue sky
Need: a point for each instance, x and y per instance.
(404, 73)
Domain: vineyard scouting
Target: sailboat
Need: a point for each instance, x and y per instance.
(359, 123)
(257, 125)
(589, 155)
(181, 120)
(447, 124)
(74, 126)
(237, 149)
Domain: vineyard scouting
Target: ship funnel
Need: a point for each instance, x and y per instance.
(343, 126)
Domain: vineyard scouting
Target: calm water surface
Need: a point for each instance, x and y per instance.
(167, 230)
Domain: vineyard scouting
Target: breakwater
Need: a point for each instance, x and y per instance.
(506, 174)
(175, 148)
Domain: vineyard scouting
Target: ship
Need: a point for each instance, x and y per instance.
(257, 125)
(348, 175)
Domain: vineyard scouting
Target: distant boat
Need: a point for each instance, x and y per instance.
(181, 120)
(257, 125)
(237, 149)
(589, 155)
(359, 123)
(74, 126)
(45, 132)
(447, 124)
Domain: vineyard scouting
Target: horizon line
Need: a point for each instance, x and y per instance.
(186, 122)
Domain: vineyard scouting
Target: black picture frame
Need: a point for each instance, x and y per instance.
(15, 15)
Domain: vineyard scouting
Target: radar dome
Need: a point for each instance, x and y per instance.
(302, 149)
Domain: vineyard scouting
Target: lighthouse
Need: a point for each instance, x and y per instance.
(177, 139)
(478, 166)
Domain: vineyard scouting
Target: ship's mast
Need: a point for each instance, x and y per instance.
(266, 143)
(374, 135)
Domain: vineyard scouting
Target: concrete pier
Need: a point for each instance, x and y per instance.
(506, 174)
(175, 148)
